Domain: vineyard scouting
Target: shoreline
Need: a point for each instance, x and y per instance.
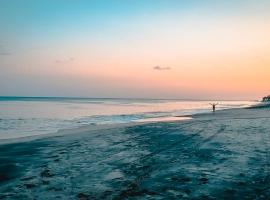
(78, 130)
(81, 129)
(24, 126)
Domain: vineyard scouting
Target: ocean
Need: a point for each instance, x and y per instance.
(31, 116)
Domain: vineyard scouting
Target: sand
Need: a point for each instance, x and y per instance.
(225, 155)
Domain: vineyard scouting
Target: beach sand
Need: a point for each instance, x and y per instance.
(222, 155)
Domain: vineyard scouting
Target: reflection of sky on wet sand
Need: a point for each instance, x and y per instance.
(163, 119)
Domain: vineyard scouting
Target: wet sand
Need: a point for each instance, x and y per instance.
(225, 155)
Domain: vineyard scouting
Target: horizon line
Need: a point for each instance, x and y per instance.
(126, 98)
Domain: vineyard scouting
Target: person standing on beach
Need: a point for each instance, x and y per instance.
(214, 106)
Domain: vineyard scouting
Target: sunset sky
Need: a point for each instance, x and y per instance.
(189, 49)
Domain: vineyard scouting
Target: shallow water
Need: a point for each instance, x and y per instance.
(20, 117)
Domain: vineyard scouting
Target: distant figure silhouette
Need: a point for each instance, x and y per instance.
(214, 106)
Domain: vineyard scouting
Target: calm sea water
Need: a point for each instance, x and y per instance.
(21, 117)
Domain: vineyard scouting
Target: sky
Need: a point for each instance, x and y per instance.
(187, 49)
